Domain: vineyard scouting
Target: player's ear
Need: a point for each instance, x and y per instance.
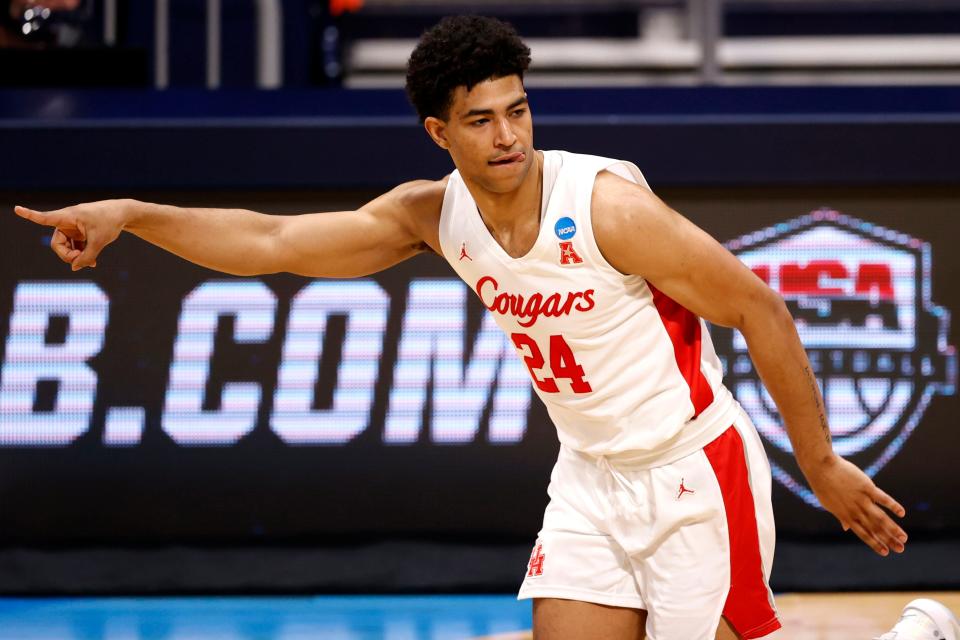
(437, 129)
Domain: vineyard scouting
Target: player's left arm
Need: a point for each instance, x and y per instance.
(639, 234)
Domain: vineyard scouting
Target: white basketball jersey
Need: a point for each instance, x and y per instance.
(622, 369)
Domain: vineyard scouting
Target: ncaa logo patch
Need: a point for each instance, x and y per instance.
(565, 228)
(860, 297)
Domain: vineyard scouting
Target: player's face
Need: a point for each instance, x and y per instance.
(489, 133)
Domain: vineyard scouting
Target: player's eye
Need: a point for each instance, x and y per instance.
(519, 112)
(479, 122)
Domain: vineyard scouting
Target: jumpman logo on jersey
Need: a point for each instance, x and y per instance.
(683, 490)
(463, 253)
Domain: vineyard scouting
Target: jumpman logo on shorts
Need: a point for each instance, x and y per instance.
(463, 252)
(683, 490)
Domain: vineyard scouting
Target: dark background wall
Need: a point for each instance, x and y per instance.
(363, 514)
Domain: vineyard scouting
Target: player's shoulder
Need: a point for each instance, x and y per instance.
(615, 197)
(411, 203)
(610, 183)
(420, 197)
(416, 205)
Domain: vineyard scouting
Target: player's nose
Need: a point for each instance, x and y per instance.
(506, 136)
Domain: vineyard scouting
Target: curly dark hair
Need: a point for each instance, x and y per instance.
(461, 51)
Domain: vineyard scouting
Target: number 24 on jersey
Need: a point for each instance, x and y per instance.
(562, 363)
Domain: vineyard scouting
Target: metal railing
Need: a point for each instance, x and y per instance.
(269, 42)
(694, 48)
(698, 48)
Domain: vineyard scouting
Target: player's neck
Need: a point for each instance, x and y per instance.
(503, 213)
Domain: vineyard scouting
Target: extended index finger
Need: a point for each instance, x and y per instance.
(47, 218)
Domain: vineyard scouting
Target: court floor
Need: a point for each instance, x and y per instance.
(263, 618)
(848, 616)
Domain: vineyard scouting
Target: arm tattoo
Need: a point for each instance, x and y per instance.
(821, 412)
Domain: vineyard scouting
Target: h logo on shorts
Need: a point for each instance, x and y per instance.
(535, 566)
(683, 490)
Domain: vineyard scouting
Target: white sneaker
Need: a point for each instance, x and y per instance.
(924, 619)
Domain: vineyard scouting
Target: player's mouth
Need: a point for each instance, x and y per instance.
(508, 159)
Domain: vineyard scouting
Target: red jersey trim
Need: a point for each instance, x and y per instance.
(748, 606)
(683, 327)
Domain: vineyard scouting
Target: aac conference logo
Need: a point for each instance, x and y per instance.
(860, 295)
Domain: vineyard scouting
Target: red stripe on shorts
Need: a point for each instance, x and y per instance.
(683, 327)
(748, 606)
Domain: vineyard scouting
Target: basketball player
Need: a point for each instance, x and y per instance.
(660, 523)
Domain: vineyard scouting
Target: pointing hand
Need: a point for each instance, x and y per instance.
(81, 231)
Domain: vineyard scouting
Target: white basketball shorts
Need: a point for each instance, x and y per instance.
(688, 542)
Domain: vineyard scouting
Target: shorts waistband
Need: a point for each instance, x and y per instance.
(694, 436)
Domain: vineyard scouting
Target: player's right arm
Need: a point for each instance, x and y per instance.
(341, 244)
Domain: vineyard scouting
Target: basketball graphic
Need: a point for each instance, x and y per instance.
(860, 296)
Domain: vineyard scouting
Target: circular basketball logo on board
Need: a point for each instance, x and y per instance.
(860, 296)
